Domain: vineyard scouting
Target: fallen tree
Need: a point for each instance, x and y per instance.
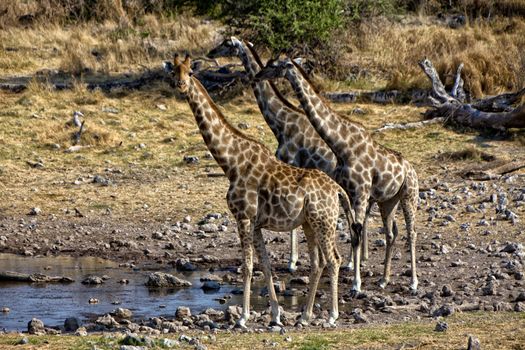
(10, 276)
(493, 112)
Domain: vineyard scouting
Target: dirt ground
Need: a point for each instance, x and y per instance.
(139, 201)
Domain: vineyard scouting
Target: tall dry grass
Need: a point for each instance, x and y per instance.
(102, 47)
(493, 53)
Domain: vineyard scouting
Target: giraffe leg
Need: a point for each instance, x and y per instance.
(316, 268)
(262, 254)
(364, 256)
(245, 229)
(357, 236)
(388, 210)
(409, 208)
(292, 264)
(333, 259)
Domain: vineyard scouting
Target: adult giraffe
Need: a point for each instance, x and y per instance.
(299, 143)
(368, 171)
(266, 193)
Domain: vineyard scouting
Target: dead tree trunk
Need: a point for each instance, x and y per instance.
(480, 114)
(33, 278)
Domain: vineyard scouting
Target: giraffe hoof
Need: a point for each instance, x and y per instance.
(302, 322)
(276, 323)
(382, 283)
(241, 324)
(292, 267)
(354, 293)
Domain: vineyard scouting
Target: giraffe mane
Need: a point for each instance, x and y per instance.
(272, 84)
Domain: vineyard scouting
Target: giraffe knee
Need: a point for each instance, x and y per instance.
(357, 228)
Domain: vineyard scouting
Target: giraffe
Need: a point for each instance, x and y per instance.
(368, 171)
(265, 193)
(298, 142)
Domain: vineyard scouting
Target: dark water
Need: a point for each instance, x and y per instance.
(53, 303)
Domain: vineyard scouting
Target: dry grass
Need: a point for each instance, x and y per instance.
(102, 48)
(494, 330)
(493, 52)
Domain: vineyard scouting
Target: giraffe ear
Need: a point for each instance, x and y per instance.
(168, 66)
(176, 59)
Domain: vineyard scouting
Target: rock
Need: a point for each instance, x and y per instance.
(93, 301)
(447, 291)
(101, 180)
(243, 126)
(191, 159)
(441, 326)
(6, 310)
(380, 243)
(162, 107)
(359, 316)
(443, 311)
(71, 324)
(512, 248)
(519, 307)
(161, 279)
(35, 211)
(81, 332)
(93, 280)
(35, 326)
(122, 313)
(473, 343)
(132, 339)
(211, 286)
(169, 343)
(183, 312)
(132, 347)
(110, 110)
(304, 280)
(490, 288)
(184, 264)
(233, 313)
(107, 321)
(23, 341)
(520, 297)
(209, 228)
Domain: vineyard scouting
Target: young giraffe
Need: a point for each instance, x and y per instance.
(266, 193)
(368, 171)
(298, 142)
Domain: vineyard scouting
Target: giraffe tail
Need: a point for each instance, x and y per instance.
(347, 208)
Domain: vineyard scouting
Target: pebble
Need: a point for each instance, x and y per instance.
(211, 286)
(36, 326)
(92, 280)
(35, 211)
(6, 310)
(161, 279)
(441, 326)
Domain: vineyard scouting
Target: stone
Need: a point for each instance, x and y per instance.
(132, 339)
(122, 313)
(107, 321)
(473, 343)
(93, 301)
(211, 286)
(304, 280)
(233, 313)
(35, 211)
(243, 126)
(512, 248)
(23, 341)
(92, 280)
(161, 279)
(519, 307)
(191, 159)
(184, 264)
(441, 326)
(132, 347)
(6, 310)
(447, 291)
(359, 316)
(71, 324)
(81, 332)
(169, 343)
(444, 311)
(520, 297)
(101, 180)
(35, 326)
(182, 312)
(380, 243)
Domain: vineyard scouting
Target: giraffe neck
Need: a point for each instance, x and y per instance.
(217, 133)
(267, 100)
(338, 133)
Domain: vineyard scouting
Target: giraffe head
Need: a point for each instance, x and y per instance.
(228, 48)
(180, 72)
(276, 68)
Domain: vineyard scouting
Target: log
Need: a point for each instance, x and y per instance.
(11, 276)
(499, 103)
(455, 111)
(407, 126)
(494, 173)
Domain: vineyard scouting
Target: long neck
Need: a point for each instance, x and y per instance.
(220, 137)
(336, 132)
(267, 100)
